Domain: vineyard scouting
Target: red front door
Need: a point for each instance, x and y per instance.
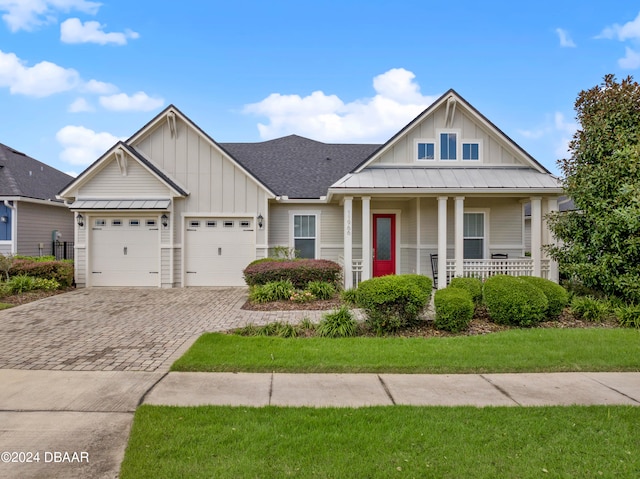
(384, 244)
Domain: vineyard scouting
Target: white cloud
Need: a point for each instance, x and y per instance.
(139, 101)
(82, 146)
(628, 31)
(29, 14)
(80, 105)
(566, 130)
(73, 30)
(631, 59)
(42, 79)
(565, 38)
(99, 88)
(327, 118)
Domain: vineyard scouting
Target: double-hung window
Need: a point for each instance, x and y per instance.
(474, 236)
(304, 236)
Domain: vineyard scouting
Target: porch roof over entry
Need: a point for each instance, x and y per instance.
(119, 204)
(446, 180)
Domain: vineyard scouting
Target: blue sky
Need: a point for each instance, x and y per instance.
(77, 75)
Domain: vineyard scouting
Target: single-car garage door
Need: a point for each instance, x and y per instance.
(217, 250)
(125, 252)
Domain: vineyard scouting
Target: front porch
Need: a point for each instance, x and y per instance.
(434, 236)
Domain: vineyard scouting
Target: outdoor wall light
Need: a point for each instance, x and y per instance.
(260, 221)
(4, 219)
(80, 220)
(165, 220)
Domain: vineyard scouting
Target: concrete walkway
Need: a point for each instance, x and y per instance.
(361, 390)
(74, 368)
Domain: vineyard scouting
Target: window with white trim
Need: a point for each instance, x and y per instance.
(474, 236)
(426, 150)
(304, 235)
(471, 151)
(449, 146)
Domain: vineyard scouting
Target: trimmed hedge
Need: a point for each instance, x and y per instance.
(454, 309)
(557, 296)
(393, 302)
(61, 271)
(299, 272)
(472, 285)
(514, 301)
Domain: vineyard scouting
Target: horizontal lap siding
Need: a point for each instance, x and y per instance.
(36, 223)
(110, 183)
(331, 227)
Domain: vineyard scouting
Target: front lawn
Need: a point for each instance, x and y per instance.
(383, 442)
(518, 350)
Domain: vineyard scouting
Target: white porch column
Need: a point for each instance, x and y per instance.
(459, 236)
(536, 234)
(348, 242)
(366, 238)
(442, 242)
(554, 272)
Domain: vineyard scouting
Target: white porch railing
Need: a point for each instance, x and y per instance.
(356, 268)
(472, 268)
(483, 268)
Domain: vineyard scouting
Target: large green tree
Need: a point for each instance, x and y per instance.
(600, 239)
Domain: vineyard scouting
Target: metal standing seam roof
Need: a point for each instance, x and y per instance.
(116, 204)
(448, 178)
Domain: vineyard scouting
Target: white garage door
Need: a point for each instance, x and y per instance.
(125, 252)
(217, 250)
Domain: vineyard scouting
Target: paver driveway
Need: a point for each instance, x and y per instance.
(117, 329)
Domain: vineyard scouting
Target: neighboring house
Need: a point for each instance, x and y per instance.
(171, 207)
(31, 218)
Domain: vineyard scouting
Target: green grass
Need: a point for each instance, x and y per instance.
(5, 306)
(528, 350)
(384, 442)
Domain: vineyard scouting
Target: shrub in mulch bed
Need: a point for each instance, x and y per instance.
(299, 272)
(61, 271)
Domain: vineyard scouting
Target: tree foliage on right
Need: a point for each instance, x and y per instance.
(600, 240)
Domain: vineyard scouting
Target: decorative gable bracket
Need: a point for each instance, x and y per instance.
(450, 112)
(121, 159)
(171, 120)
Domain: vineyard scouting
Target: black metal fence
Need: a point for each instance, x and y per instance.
(62, 250)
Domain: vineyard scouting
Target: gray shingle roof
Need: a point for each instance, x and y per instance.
(21, 175)
(298, 167)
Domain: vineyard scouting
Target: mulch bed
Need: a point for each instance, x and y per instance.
(30, 296)
(481, 323)
(327, 304)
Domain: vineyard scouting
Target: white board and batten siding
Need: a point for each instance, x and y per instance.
(219, 191)
(494, 151)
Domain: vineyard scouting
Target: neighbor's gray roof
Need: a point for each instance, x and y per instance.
(21, 175)
(436, 179)
(298, 167)
(117, 204)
